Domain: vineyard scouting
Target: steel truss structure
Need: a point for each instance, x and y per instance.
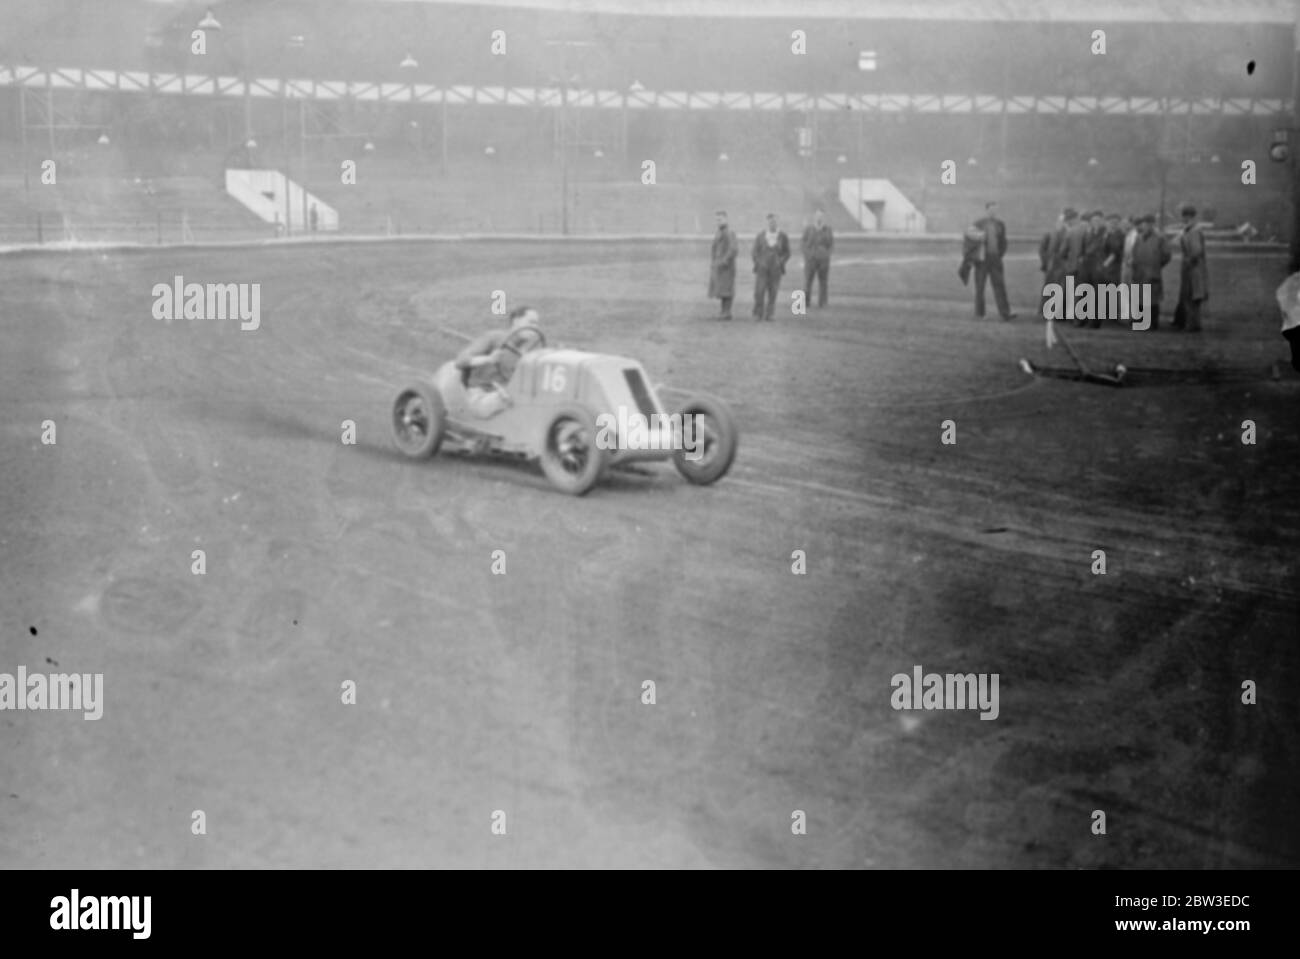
(49, 80)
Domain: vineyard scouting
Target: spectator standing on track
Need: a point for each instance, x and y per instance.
(1045, 247)
(1112, 249)
(1112, 255)
(770, 253)
(1149, 257)
(988, 267)
(1064, 250)
(722, 265)
(817, 243)
(972, 251)
(1094, 243)
(1130, 237)
(1194, 287)
(1091, 271)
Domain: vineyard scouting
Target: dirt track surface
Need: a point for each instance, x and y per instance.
(475, 692)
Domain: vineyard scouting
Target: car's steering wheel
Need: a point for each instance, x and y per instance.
(523, 339)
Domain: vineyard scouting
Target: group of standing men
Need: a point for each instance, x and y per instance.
(1097, 249)
(1104, 249)
(770, 251)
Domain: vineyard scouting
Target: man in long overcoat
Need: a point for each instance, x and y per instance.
(1194, 287)
(722, 265)
(1147, 259)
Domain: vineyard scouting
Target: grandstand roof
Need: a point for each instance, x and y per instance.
(713, 50)
(1062, 11)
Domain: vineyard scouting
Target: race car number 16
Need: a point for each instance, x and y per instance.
(553, 379)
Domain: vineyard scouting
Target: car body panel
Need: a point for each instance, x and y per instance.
(546, 380)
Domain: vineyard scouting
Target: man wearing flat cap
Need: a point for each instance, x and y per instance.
(1117, 228)
(1094, 249)
(1147, 260)
(818, 241)
(771, 250)
(1194, 287)
(988, 266)
(1064, 250)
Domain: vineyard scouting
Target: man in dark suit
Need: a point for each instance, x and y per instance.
(770, 252)
(722, 265)
(1094, 249)
(988, 264)
(817, 243)
(1064, 249)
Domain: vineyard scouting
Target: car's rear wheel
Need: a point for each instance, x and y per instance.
(709, 425)
(419, 421)
(571, 459)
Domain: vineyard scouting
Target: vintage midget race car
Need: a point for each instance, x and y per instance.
(577, 414)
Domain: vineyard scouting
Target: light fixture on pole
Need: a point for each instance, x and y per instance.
(1279, 152)
(409, 62)
(103, 140)
(209, 22)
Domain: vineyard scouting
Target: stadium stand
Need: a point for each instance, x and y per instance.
(428, 167)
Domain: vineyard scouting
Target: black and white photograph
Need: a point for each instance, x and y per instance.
(607, 435)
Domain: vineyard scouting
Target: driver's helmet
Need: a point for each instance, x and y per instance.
(524, 316)
(517, 341)
(522, 320)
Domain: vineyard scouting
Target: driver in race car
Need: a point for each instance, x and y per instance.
(488, 362)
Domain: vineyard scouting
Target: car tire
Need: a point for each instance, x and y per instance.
(419, 421)
(721, 439)
(570, 458)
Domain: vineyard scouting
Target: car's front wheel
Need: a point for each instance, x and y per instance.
(419, 420)
(571, 458)
(713, 438)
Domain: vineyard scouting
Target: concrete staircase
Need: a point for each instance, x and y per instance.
(275, 199)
